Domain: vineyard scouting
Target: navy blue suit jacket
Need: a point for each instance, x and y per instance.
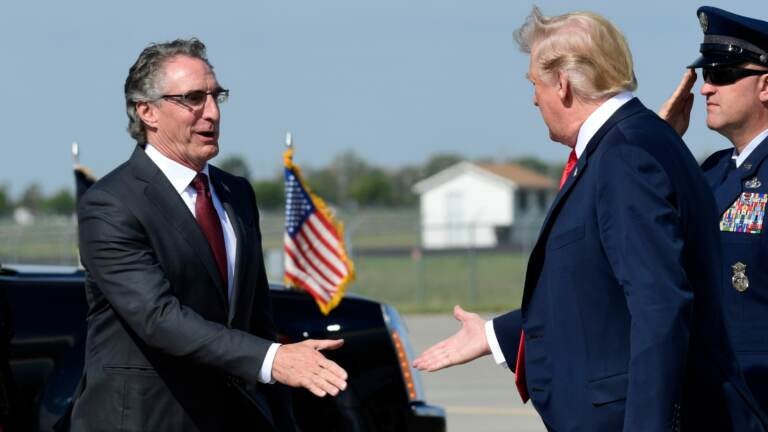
(746, 311)
(621, 307)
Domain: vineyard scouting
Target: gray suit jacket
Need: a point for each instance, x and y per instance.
(164, 349)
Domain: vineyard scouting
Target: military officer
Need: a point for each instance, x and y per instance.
(734, 65)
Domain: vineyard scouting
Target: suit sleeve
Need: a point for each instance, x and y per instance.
(119, 257)
(641, 233)
(507, 328)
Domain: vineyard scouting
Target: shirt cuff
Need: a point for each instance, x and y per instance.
(493, 342)
(265, 374)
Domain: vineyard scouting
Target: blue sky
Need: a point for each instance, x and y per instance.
(395, 81)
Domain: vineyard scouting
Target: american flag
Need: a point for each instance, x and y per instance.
(315, 257)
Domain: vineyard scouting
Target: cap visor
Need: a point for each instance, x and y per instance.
(714, 60)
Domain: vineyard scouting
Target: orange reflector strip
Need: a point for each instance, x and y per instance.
(404, 366)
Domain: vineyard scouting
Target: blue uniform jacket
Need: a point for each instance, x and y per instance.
(741, 196)
(621, 308)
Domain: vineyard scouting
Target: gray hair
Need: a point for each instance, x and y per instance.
(586, 47)
(145, 78)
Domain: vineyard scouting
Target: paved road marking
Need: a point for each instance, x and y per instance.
(488, 410)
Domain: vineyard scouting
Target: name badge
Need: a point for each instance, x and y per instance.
(745, 214)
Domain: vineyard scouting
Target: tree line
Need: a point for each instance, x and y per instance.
(348, 180)
(32, 198)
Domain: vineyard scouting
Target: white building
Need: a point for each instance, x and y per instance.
(483, 205)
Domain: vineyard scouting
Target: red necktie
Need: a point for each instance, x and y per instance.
(209, 222)
(568, 167)
(520, 361)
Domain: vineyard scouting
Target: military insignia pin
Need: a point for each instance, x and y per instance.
(704, 21)
(752, 183)
(747, 166)
(739, 278)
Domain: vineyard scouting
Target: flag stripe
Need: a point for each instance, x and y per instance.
(315, 258)
(307, 282)
(303, 264)
(293, 281)
(304, 280)
(330, 253)
(329, 228)
(328, 231)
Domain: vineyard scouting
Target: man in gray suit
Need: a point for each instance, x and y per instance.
(180, 334)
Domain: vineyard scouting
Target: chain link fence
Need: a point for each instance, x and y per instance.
(384, 244)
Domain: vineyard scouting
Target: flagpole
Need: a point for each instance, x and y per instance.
(75, 153)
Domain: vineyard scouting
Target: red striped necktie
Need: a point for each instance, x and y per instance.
(520, 382)
(209, 223)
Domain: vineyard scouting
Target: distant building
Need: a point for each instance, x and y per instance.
(483, 205)
(22, 216)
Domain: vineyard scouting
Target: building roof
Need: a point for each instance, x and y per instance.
(521, 175)
(510, 173)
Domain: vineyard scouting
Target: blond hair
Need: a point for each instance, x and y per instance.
(586, 47)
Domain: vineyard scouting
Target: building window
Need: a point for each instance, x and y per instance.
(543, 199)
(522, 199)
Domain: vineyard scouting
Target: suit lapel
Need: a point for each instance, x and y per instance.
(535, 262)
(232, 207)
(733, 185)
(169, 204)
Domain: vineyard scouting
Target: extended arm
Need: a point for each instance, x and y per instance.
(120, 258)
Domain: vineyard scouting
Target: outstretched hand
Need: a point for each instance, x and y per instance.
(466, 345)
(302, 365)
(677, 109)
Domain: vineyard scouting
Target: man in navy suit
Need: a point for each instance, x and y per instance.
(734, 62)
(620, 321)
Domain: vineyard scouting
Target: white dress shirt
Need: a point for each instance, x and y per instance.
(587, 130)
(181, 178)
(741, 157)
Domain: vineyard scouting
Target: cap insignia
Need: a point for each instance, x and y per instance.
(704, 21)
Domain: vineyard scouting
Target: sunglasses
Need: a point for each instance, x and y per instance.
(722, 76)
(196, 98)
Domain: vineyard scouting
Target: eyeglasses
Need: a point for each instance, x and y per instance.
(196, 98)
(722, 76)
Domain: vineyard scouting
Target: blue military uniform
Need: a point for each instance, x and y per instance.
(741, 194)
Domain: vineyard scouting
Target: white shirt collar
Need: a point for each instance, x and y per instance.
(598, 118)
(179, 175)
(741, 157)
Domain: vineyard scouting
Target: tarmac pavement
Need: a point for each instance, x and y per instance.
(479, 396)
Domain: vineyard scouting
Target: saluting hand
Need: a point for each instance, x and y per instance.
(302, 365)
(466, 345)
(677, 109)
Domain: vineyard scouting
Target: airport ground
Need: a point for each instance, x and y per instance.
(479, 396)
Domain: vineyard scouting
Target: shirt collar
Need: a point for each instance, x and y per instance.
(179, 175)
(598, 118)
(741, 157)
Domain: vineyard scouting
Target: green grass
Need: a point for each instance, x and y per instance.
(50, 242)
(365, 228)
(484, 281)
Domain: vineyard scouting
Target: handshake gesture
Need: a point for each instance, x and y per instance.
(302, 365)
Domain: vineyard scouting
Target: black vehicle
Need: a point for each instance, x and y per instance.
(48, 311)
